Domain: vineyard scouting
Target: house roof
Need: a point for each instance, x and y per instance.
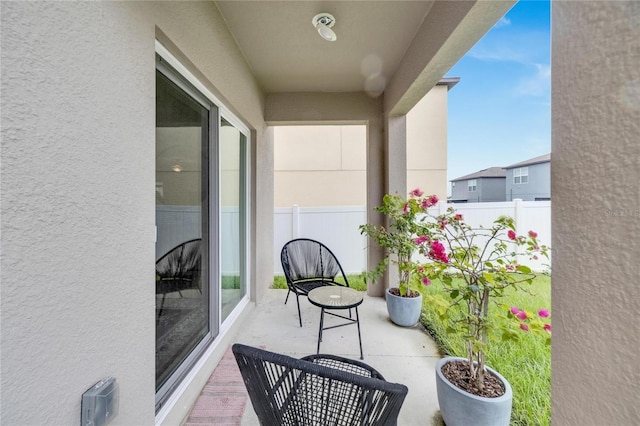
(397, 48)
(541, 159)
(491, 172)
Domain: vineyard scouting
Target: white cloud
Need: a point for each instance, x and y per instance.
(501, 52)
(537, 84)
(503, 22)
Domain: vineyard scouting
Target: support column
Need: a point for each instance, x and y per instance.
(262, 214)
(396, 166)
(376, 187)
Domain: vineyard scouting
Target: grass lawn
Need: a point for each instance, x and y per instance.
(356, 282)
(526, 364)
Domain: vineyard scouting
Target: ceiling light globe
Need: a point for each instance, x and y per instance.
(323, 22)
(326, 33)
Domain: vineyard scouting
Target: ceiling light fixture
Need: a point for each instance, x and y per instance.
(323, 23)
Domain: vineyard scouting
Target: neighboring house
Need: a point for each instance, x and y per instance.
(327, 165)
(483, 186)
(529, 180)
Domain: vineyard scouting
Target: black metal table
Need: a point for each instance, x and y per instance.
(335, 298)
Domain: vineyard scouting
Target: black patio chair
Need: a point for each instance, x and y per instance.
(308, 264)
(179, 269)
(317, 390)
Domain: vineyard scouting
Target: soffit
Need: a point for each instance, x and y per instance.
(286, 54)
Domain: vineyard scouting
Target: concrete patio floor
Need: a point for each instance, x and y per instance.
(401, 355)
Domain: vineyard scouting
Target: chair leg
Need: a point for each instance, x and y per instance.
(287, 299)
(299, 314)
(161, 308)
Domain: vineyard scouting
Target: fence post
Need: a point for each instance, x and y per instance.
(517, 217)
(295, 221)
(517, 214)
(442, 207)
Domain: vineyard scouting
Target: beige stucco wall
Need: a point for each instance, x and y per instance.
(326, 165)
(595, 175)
(78, 177)
(320, 165)
(427, 143)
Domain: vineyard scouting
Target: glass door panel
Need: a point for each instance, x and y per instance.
(232, 195)
(182, 220)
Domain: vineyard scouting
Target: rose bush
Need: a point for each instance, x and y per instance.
(487, 262)
(397, 238)
(476, 265)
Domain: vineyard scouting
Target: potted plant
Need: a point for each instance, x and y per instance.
(398, 238)
(476, 266)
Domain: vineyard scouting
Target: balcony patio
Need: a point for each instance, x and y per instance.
(402, 355)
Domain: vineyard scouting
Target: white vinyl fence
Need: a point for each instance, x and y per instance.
(337, 227)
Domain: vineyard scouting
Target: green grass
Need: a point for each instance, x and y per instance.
(526, 364)
(356, 282)
(230, 281)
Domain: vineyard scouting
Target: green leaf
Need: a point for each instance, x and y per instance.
(454, 294)
(524, 269)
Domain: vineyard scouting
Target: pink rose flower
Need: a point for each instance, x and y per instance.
(511, 235)
(547, 327)
(543, 313)
(421, 239)
(426, 281)
(457, 217)
(522, 315)
(524, 327)
(405, 209)
(515, 310)
(437, 252)
(533, 234)
(416, 193)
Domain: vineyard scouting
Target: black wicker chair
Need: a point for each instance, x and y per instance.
(317, 390)
(308, 264)
(179, 269)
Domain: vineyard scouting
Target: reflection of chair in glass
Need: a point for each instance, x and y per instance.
(317, 390)
(308, 264)
(179, 270)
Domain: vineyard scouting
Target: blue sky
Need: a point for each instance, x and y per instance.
(500, 111)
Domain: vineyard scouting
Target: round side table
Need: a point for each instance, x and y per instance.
(335, 297)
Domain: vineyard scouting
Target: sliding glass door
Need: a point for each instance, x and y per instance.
(183, 139)
(201, 208)
(232, 196)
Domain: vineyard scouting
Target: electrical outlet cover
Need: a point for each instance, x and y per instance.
(100, 403)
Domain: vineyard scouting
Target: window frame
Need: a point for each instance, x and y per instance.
(521, 174)
(472, 185)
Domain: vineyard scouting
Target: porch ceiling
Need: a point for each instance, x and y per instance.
(381, 45)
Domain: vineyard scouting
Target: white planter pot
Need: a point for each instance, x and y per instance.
(404, 311)
(461, 408)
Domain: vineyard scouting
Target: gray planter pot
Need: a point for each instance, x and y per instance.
(460, 408)
(404, 311)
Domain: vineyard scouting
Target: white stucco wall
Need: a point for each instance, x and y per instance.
(595, 175)
(77, 190)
